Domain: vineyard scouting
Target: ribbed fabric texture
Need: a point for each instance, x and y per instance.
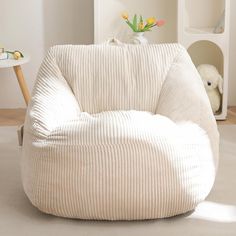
(123, 77)
(118, 133)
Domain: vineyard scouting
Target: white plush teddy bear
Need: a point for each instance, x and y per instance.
(213, 83)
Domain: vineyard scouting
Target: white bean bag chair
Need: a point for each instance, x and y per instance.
(119, 132)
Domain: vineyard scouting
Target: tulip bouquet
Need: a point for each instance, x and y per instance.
(139, 25)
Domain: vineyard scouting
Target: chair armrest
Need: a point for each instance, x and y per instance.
(183, 99)
(53, 102)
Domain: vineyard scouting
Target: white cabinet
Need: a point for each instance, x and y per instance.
(197, 20)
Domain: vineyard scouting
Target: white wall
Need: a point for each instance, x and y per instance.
(116, 27)
(34, 26)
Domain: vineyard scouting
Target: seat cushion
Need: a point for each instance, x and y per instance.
(121, 165)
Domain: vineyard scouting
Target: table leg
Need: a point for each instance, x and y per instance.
(22, 83)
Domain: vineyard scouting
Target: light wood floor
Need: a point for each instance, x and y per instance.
(14, 117)
(231, 117)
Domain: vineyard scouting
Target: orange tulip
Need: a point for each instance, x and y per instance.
(125, 15)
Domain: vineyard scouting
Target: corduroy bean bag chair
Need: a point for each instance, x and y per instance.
(119, 132)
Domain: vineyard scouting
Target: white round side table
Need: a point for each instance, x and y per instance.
(16, 65)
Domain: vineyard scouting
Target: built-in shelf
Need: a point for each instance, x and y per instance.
(192, 30)
(207, 52)
(202, 13)
(197, 21)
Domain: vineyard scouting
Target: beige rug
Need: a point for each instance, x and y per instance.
(216, 216)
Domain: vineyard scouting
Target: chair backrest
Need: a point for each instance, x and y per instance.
(116, 77)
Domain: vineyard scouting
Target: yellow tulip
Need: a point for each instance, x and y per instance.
(125, 15)
(141, 26)
(151, 20)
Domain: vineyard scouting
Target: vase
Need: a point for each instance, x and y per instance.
(138, 38)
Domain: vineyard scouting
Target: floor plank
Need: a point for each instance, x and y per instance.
(231, 118)
(12, 117)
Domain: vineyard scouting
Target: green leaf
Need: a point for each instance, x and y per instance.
(135, 23)
(147, 26)
(130, 25)
(141, 19)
